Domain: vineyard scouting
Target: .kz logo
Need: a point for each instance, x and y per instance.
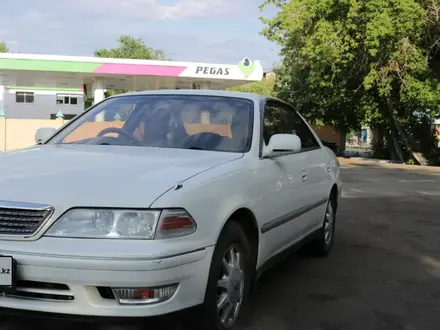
(246, 66)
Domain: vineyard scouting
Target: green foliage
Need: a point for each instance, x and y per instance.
(87, 104)
(353, 62)
(131, 48)
(3, 47)
(265, 87)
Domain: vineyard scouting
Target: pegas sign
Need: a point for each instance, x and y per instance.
(212, 70)
(245, 68)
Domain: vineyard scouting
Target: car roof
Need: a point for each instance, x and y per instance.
(204, 92)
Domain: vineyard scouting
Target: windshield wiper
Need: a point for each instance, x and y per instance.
(195, 148)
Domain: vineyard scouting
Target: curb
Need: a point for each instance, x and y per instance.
(371, 160)
(385, 164)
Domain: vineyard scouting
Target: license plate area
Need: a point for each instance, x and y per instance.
(8, 274)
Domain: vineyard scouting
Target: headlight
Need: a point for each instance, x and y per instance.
(128, 224)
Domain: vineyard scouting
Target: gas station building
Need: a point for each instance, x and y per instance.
(42, 86)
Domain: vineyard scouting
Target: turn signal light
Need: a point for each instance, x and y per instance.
(175, 223)
(144, 296)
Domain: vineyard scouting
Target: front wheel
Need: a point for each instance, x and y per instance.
(228, 283)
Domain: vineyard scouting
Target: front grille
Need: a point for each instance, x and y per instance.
(22, 218)
(42, 291)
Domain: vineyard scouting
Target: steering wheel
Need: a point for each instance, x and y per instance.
(208, 140)
(207, 135)
(127, 136)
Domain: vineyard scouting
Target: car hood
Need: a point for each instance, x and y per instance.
(65, 176)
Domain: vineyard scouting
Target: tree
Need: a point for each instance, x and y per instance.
(3, 47)
(266, 87)
(349, 62)
(132, 48)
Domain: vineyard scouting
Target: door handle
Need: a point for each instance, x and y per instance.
(304, 175)
(329, 168)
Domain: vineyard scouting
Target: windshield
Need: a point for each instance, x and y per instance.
(166, 121)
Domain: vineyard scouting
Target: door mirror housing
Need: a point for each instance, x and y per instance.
(282, 144)
(43, 134)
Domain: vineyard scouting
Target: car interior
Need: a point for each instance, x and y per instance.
(186, 124)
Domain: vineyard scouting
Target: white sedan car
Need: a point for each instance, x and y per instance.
(154, 202)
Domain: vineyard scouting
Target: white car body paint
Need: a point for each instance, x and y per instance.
(213, 186)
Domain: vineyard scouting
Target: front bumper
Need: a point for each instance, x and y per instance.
(45, 280)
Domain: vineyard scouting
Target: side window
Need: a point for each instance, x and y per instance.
(280, 119)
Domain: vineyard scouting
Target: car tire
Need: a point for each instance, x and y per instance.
(323, 244)
(229, 282)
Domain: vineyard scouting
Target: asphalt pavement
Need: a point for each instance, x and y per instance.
(383, 274)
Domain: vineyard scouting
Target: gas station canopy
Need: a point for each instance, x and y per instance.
(72, 72)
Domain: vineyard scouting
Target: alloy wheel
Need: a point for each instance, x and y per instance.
(230, 286)
(328, 224)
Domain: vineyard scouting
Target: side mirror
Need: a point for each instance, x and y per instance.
(282, 144)
(43, 134)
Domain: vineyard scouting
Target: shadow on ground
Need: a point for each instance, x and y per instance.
(384, 273)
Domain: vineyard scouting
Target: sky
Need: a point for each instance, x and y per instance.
(213, 31)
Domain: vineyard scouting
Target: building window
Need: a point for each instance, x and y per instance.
(67, 99)
(66, 116)
(24, 97)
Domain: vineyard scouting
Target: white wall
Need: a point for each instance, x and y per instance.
(45, 104)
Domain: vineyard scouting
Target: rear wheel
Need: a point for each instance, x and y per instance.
(323, 244)
(229, 282)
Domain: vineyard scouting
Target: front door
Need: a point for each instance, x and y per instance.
(317, 181)
(288, 220)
